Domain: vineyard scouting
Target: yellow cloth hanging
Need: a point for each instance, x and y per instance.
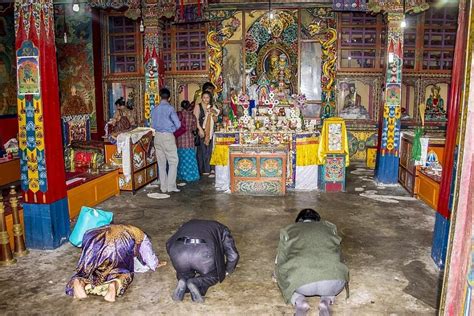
(307, 151)
(220, 153)
(324, 146)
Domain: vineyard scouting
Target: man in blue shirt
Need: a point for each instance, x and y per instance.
(165, 121)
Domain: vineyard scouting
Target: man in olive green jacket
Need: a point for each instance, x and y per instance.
(309, 262)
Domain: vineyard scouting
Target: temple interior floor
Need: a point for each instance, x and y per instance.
(386, 244)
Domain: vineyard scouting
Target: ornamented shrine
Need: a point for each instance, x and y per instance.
(304, 90)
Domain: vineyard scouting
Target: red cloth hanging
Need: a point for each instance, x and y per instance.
(181, 7)
(199, 7)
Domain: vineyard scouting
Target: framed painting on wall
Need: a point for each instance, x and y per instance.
(357, 98)
(435, 98)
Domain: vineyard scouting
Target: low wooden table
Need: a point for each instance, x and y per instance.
(9, 170)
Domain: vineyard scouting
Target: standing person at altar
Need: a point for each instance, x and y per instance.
(165, 121)
(206, 113)
(209, 87)
(107, 262)
(187, 166)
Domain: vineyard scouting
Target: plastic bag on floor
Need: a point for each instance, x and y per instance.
(89, 218)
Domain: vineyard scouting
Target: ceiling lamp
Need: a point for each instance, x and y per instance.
(75, 6)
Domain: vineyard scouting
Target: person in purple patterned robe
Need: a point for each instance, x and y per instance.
(106, 266)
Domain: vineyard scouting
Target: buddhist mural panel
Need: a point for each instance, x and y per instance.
(75, 61)
(7, 62)
(436, 96)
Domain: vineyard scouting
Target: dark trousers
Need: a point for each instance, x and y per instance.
(204, 157)
(194, 263)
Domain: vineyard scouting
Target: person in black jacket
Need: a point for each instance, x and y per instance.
(202, 252)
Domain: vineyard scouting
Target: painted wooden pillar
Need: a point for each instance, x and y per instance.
(45, 207)
(386, 170)
(151, 58)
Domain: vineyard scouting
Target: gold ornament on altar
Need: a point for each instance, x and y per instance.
(276, 21)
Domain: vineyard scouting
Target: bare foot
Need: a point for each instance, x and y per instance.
(110, 296)
(78, 287)
(162, 264)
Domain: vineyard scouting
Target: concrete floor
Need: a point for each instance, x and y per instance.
(386, 245)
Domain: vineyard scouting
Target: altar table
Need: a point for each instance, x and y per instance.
(301, 160)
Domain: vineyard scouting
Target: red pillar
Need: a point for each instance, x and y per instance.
(46, 214)
(453, 108)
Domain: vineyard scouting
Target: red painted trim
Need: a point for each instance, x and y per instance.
(99, 96)
(453, 108)
(8, 128)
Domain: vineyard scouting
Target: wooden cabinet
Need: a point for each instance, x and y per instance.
(407, 170)
(140, 162)
(428, 189)
(413, 178)
(92, 192)
(256, 170)
(9, 171)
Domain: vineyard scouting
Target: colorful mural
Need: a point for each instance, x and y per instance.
(7, 62)
(75, 61)
(435, 107)
(359, 141)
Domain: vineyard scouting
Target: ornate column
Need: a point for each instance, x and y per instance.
(45, 207)
(151, 58)
(386, 170)
(219, 34)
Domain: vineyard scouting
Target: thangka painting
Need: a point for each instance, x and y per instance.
(335, 137)
(435, 101)
(8, 82)
(73, 32)
(28, 75)
(355, 100)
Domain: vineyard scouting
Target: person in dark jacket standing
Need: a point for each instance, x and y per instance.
(202, 252)
(309, 263)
